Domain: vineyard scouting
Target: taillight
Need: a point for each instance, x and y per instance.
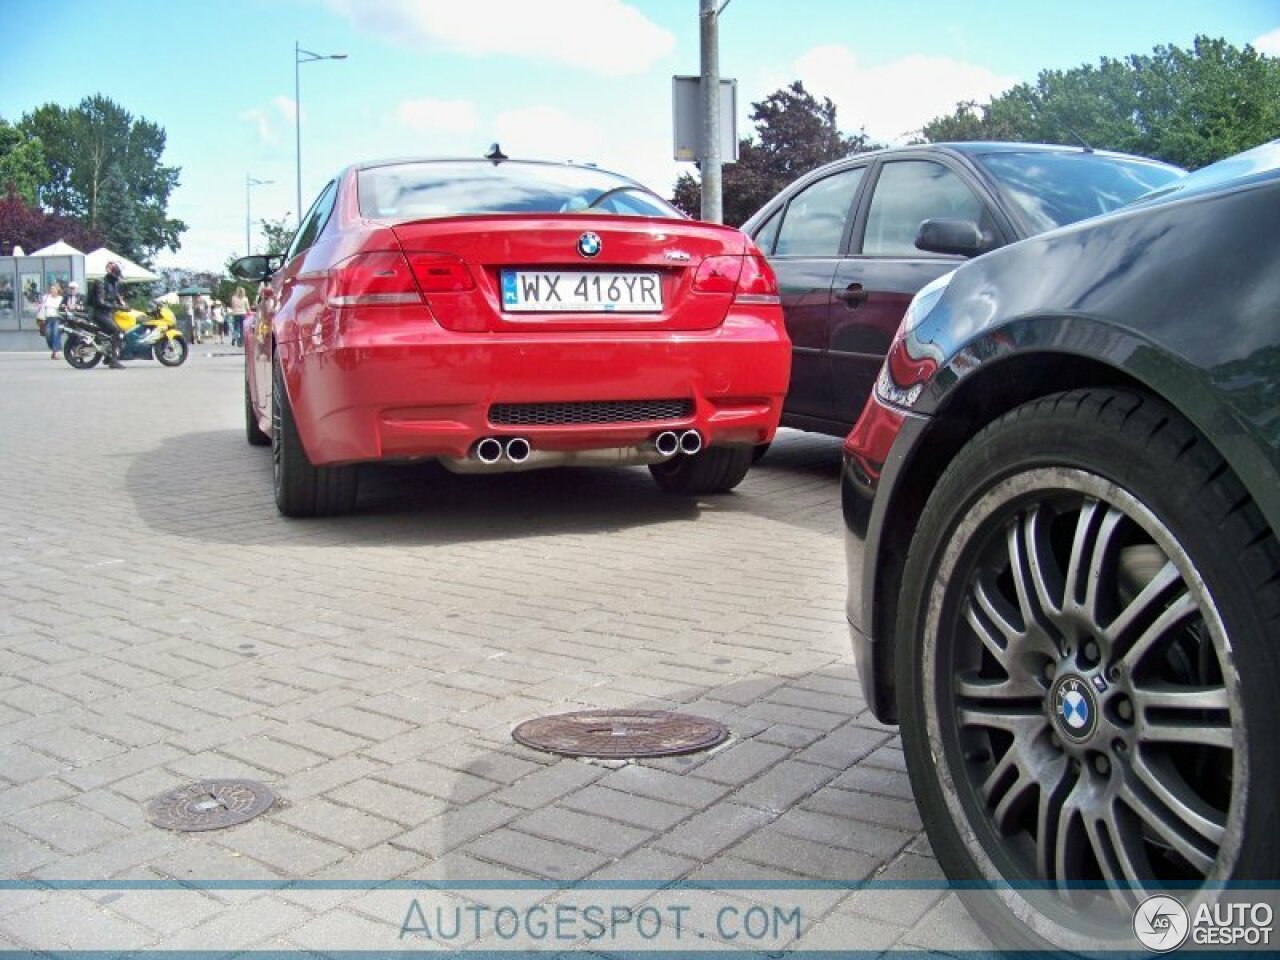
(372, 279)
(750, 279)
(758, 284)
(440, 273)
(717, 275)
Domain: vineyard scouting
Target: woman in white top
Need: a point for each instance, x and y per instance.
(47, 317)
(239, 310)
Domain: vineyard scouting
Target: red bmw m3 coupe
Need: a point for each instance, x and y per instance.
(500, 315)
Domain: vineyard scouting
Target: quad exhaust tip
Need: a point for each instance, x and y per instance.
(489, 450)
(518, 449)
(690, 442)
(667, 443)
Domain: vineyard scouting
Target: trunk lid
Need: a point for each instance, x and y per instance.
(530, 277)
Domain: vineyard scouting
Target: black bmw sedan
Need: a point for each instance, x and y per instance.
(1061, 502)
(852, 242)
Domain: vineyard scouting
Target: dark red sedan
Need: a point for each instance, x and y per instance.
(501, 315)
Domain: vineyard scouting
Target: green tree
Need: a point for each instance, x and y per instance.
(276, 234)
(1189, 107)
(82, 145)
(21, 163)
(794, 133)
(116, 215)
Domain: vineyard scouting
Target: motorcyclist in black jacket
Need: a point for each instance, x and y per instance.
(104, 300)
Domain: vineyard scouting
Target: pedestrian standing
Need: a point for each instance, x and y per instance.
(239, 310)
(219, 320)
(47, 318)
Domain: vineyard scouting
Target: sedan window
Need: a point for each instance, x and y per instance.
(409, 191)
(813, 225)
(1057, 188)
(908, 192)
(314, 221)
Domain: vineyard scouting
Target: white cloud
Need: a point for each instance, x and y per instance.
(547, 133)
(437, 116)
(607, 37)
(1269, 43)
(269, 118)
(894, 100)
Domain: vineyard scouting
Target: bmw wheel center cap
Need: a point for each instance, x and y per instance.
(1075, 710)
(589, 244)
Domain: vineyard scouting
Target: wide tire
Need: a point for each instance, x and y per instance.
(172, 352)
(1091, 548)
(301, 489)
(252, 432)
(80, 354)
(713, 470)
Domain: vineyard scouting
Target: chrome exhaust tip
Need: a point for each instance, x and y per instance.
(518, 449)
(488, 450)
(690, 442)
(667, 443)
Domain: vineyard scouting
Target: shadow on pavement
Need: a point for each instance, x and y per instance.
(213, 486)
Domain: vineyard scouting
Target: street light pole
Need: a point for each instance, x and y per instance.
(249, 181)
(708, 17)
(300, 57)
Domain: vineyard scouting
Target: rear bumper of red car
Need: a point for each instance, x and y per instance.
(363, 391)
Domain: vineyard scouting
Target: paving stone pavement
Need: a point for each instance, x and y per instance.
(159, 623)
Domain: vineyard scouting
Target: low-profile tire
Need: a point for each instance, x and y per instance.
(171, 351)
(1091, 548)
(80, 354)
(252, 432)
(713, 470)
(301, 489)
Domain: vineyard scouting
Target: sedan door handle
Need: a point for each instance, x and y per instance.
(853, 295)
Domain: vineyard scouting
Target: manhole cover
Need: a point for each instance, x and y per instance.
(620, 734)
(210, 805)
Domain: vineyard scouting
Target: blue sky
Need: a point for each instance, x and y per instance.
(560, 79)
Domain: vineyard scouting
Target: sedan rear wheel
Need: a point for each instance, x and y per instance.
(712, 470)
(301, 489)
(1087, 677)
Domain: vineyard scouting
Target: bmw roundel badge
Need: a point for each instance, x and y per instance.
(1075, 709)
(589, 244)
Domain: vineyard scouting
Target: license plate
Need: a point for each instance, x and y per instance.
(578, 291)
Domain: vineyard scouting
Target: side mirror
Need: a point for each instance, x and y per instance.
(256, 268)
(960, 237)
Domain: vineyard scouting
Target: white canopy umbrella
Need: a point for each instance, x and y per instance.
(59, 249)
(95, 266)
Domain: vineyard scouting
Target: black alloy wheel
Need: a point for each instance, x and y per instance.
(301, 489)
(1088, 673)
(711, 470)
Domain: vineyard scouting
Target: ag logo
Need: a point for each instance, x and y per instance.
(1161, 923)
(589, 244)
(1074, 709)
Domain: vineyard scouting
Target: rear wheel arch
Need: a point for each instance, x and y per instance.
(980, 398)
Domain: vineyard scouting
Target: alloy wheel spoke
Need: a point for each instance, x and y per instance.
(1020, 723)
(1056, 785)
(1177, 697)
(1093, 556)
(1143, 607)
(1205, 735)
(1154, 817)
(1115, 861)
(1168, 788)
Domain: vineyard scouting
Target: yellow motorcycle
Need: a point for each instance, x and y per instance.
(147, 334)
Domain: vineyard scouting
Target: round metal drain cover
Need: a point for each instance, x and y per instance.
(620, 734)
(210, 805)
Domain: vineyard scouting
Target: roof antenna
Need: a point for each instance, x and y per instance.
(495, 154)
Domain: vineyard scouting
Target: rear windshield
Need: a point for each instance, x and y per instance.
(1054, 189)
(411, 191)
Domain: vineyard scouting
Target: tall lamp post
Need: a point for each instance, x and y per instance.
(300, 57)
(250, 182)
